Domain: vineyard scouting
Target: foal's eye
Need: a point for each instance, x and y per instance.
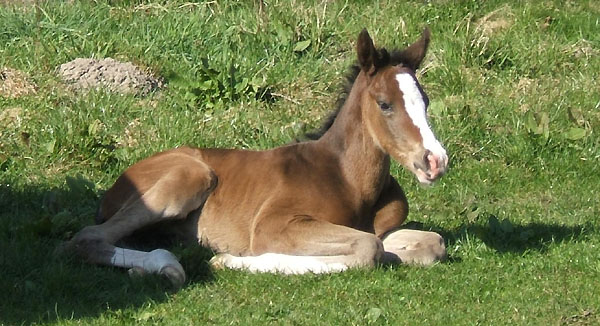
(384, 106)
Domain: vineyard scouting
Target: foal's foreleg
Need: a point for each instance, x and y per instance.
(402, 245)
(172, 191)
(413, 247)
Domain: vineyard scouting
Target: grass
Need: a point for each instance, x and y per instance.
(514, 97)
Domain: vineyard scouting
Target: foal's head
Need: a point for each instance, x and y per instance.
(394, 107)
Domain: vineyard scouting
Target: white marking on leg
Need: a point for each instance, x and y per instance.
(278, 263)
(151, 262)
(415, 107)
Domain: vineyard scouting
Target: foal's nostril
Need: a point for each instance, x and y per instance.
(426, 159)
(431, 166)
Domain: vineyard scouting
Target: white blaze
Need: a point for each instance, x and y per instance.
(415, 107)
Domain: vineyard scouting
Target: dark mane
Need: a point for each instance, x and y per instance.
(385, 59)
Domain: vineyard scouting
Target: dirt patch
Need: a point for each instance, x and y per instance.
(489, 25)
(18, 2)
(116, 76)
(582, 49)
(132, 133)
(495, 21)
(11, 117)
(14, 83)
(523, 87)
(11, 120)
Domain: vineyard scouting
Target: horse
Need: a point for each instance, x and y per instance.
(314, 206)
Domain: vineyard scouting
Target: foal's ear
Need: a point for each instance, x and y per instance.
(366, 51)
(413, 55)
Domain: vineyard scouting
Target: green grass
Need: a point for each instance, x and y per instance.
(514, 97)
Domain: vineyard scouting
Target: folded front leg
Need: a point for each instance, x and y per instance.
(413, 247)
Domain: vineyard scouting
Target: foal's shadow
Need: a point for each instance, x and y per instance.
(507, 237)
(41, 287)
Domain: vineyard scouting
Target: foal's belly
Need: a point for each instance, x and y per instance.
(253, 186)
(227, 222)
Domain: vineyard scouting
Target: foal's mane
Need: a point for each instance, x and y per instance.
(384, 59)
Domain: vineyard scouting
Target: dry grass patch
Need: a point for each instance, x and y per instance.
(300, 95)
(15, 83)
(582, 49)
(136, 133)
(19, 3)
(12, 119)
(432, 61)
(495, 21)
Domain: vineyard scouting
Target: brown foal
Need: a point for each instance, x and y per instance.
(316, 206)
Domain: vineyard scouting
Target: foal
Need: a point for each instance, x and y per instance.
(316, 206)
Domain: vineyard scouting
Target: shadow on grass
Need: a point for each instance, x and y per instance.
(507, 237)
(523, 238)
(38, 286)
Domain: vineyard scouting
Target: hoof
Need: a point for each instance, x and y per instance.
(163, 262)
(175, 274)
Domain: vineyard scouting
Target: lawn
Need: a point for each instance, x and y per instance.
(514, 98)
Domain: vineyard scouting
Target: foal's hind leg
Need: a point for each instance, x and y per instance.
(303, 244)
(166, 186)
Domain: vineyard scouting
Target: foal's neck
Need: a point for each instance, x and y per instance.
(364, 164)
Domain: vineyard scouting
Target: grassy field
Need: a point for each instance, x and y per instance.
(514, 96)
